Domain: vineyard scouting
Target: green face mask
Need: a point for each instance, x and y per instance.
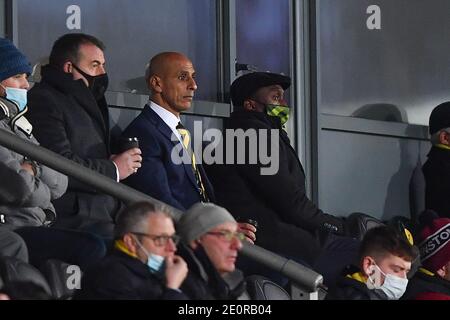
(279, 111)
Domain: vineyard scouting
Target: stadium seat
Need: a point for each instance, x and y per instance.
(359, 223)
(15, 271)
(261, 288)
(62, 278)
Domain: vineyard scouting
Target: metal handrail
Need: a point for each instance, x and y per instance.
(304, 277)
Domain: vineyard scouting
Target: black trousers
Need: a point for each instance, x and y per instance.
(336, 254)
(12, 245)
(73, 247)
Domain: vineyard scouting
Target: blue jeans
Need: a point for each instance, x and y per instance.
(73, 247)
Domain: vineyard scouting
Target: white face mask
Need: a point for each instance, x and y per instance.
(394, 287)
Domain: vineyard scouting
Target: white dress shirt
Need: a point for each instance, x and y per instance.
(168, 117)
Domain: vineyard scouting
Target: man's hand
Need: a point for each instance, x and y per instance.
(127, 162)
(176, 272)
(28, 167)
(248, 230)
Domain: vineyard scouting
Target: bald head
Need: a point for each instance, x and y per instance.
(171, 78)
(159, 63)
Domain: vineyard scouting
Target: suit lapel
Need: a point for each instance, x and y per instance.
(153, 117)
(167, 132)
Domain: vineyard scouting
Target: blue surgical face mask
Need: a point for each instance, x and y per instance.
(18, 96)
(394, 287)
(154, 262)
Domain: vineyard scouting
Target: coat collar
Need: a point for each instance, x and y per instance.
(16, 120)
(272, 122)
(77, 89)
(439, 152)
(242, 119)
(134, 264)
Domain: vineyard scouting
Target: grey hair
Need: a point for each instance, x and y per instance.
(134, 218)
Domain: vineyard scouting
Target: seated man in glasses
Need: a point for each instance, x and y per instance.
(143, 264)
(210, 247)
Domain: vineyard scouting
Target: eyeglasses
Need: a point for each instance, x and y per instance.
(228, 235)
(160, 241)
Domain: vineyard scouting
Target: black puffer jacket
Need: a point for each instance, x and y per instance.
(25, 199)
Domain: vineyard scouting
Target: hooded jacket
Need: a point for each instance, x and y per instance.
(25, 200)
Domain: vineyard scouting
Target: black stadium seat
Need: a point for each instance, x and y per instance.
(261, 288)
(15, 272)
(62, 278)
(359, 223)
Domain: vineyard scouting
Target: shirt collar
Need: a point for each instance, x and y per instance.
(168, 117)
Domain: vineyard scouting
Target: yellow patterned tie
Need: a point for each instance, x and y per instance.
(186, 139)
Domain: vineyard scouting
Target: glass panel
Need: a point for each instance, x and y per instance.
(398, 72)
(133, 31)
(263, 40)
(262, 34)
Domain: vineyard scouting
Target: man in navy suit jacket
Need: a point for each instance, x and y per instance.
(171, 80)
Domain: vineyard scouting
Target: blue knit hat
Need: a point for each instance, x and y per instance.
(12, 61)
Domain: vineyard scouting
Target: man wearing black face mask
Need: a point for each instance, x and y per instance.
(289, 223)
(70, 116)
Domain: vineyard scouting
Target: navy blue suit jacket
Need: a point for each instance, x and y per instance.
(160, 177)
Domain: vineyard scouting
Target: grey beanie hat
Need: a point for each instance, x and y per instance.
(201, 218)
